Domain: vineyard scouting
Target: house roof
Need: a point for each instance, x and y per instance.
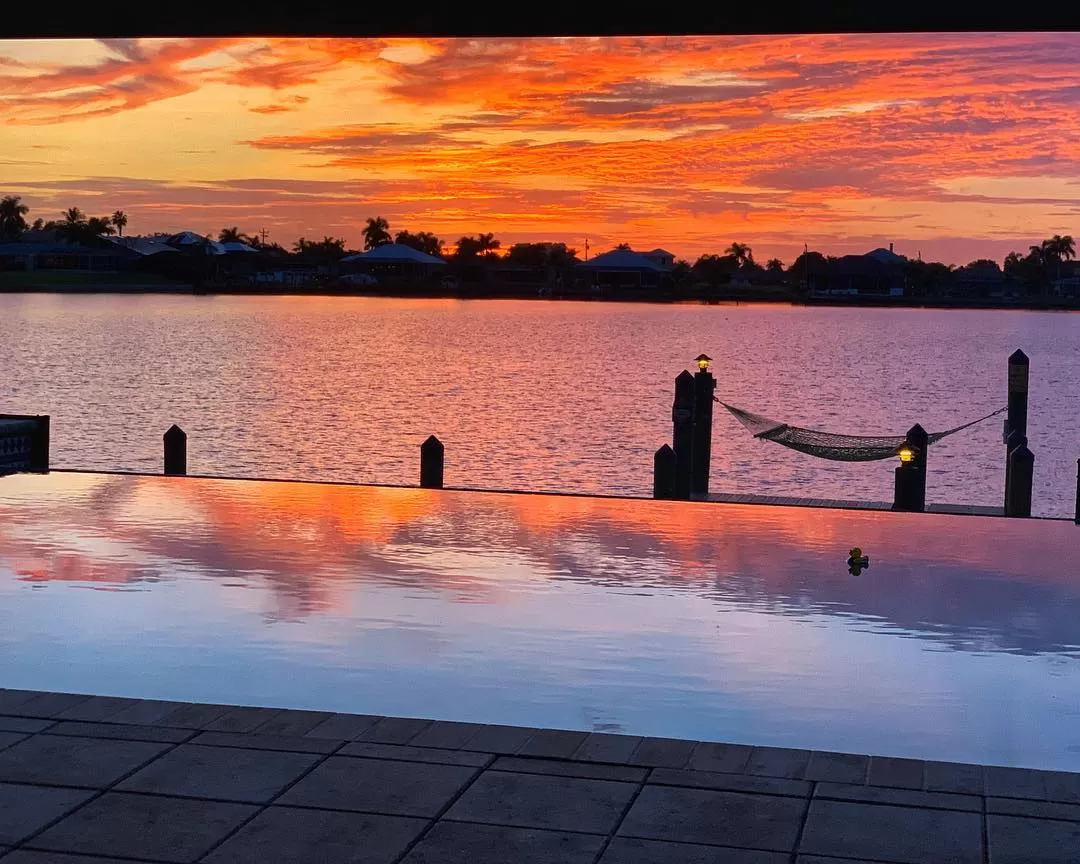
(142, 245)
(236, 246)
(885, 256)
(661, 252)
(394, 253)
(21, 248)
(621, 259)
(190, 238)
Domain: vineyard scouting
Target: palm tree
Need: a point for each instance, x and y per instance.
(120, 220)
(73, 226)
(775, 265)
(230, 235)
(742, 253)
(96, 226)
(12, 211)
(376, 232)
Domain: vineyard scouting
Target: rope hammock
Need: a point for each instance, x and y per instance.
(826, 445)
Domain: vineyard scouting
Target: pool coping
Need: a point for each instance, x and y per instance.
(821, 793)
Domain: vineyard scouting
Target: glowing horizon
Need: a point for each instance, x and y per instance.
(955, 146)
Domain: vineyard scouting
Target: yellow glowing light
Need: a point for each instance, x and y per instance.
(703, 362)
(906, 453)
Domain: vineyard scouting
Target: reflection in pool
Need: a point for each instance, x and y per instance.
(723, 622)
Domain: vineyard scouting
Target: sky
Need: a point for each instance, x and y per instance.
(952, 146)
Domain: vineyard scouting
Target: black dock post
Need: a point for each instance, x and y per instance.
(909, 493)
(432, 454)
(1021, 470)
(682, 416)
(664, 473)
(1016, 419)
(39, 445)
(704, 387)
(1076, 518)
(175, 451)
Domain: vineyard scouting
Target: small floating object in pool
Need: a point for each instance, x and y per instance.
(857, 561)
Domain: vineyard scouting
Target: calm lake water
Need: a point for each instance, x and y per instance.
(531, 395)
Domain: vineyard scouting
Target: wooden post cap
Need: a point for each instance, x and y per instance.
(1018, 358)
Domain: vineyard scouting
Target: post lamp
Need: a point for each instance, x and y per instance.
(909, 492)
(704, 388)
(703, 361)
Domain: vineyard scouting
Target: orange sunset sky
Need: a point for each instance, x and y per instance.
(955, 146)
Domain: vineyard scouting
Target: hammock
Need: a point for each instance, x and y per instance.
(842, 448)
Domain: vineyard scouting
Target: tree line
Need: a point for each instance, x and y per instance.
(1032, 269)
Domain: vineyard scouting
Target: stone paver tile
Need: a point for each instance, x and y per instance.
(408, 753)
(27, 809)
(394, 730)
(194, 716)
(901, 834)
(293, 723)
(242, 719)
(24, 724)
(903, 797)
(47, 704)
(12, 698)
(1016, 840)
(729, 782)
(828, 859)
(552, 744)
(1036, 809)
(837, 767)
(567, 768)
(605, 747)
(446, 734)
(897, 773)
(285, 835)
(662, 753)
(222, 773)
(96, 708)
(778, 762)
(8, 739)
(723, 758)
(543, 801)
(120, 731)
(31, 856)
(716, 818)
(457, 842)
(380, 786)
(146, 712)
(504, 740)
(343, 727)
(1061, 786)
(257, 741)
(954, 777)
(64, 761)
(625, 850)
(1015, 783)
(145, 826)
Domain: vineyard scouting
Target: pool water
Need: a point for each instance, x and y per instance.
(723, 622)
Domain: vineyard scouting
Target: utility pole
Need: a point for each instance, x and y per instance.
(263, 234)
(586, 248)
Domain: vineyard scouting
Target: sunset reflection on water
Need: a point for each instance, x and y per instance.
(725, 622)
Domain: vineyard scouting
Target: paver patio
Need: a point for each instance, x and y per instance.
(87, 779)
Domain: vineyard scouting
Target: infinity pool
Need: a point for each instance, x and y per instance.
(712, 621)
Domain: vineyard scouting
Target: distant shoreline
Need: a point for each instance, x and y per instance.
(479, 293)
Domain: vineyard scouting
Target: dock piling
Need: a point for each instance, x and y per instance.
(432, 457)
(664, 473)
(1017, 416)
(175, 451)
(1021, 470)
(682, 418)
(704, 388)
(909, 491)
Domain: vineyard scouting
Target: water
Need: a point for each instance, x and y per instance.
(531, 395)
(719, 622)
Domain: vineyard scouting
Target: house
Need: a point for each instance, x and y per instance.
(394, 263)
(622, 268)
(43, 250)
(978, 281)
(877, 274)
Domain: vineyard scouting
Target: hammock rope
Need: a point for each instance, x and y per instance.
(826, 445)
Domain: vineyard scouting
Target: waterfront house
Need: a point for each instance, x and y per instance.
(45, 250)
(979, 280)
(662, 257)
(622, 268)
(394, 263)
(877, 274)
